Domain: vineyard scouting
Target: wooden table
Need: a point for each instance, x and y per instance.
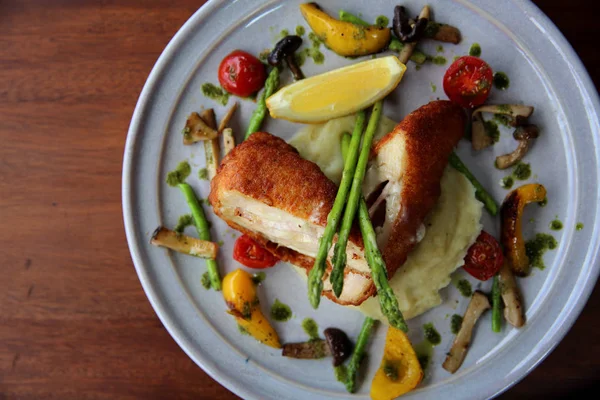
(74, 321)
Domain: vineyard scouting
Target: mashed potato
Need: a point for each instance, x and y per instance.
(320, 143)
(452, 226)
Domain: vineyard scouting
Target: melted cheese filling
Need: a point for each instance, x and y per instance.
(283, 228)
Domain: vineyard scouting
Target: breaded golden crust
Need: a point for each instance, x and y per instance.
(267, 169)
(430, 134)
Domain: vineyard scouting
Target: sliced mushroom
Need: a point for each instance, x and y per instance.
(479, 137)
(517, 114)
(212, 150)
(227, 118)
(513, 310)
(513, 110)
(524, 135)
(196, 129)
(406, 31)
(478, 305)
(312, 349)
(339, 345)
(443, 32)
(228, 140)
(284, 51)
(409, 47)
(336, 344)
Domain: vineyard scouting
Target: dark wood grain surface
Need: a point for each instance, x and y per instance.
(74, 321)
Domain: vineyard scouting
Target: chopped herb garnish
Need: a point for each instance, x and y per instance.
(184, 221)
(179, 174)
(205, 281)
(456, 323)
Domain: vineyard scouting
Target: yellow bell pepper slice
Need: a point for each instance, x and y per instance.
(239, 292)
(259, 327)
(400, 371)
(345, 38)
(512, 216)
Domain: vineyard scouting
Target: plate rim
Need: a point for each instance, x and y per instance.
(578, 296)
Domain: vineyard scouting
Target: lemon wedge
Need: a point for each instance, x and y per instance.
(337, 93)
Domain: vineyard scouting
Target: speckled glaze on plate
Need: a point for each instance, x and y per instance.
(516, 38)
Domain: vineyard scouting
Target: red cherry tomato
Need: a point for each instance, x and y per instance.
(484, 258)
(468, 81)
(251, 254)
(241, 73)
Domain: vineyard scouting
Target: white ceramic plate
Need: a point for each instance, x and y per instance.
(515, 38)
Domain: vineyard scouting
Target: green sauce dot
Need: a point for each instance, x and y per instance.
(464, 287)
(179, 174)
(431, 334)
(507, 182)
(556, 225)
(475, 50)
(501, 81)
(311, 328)
(536, 247)
(280, 312)
(456, 323)
(382, 21)
(522, 171)
(439, 60)
(205, 281)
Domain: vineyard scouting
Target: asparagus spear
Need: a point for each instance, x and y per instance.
(260, 112)
(346, 138)
(339, 254)
(496, 305)
(203, 229)
(387, 299)
(358, 354)
(315, 277)
(480, 192)
(417, 57)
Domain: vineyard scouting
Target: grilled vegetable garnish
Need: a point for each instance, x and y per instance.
(400, 371)
(480, 192)
(196, 129)
(511, 214)
(212, 150)
(227, 118)
(203, 229)
(315, 277)
(345, 38)
(336, 344)
(184, 244)
(260, 112)
(284, 52)
(239, 292)
(358, 354)
(478, 305)
(228, 140)
(513, 306)
(313, 349)
(496, 305)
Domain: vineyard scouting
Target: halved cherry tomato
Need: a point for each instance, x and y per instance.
(241, 73)
(468, 81)
(251, 254)
(484, 258)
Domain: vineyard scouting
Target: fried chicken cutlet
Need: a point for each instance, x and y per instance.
(266, 190)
